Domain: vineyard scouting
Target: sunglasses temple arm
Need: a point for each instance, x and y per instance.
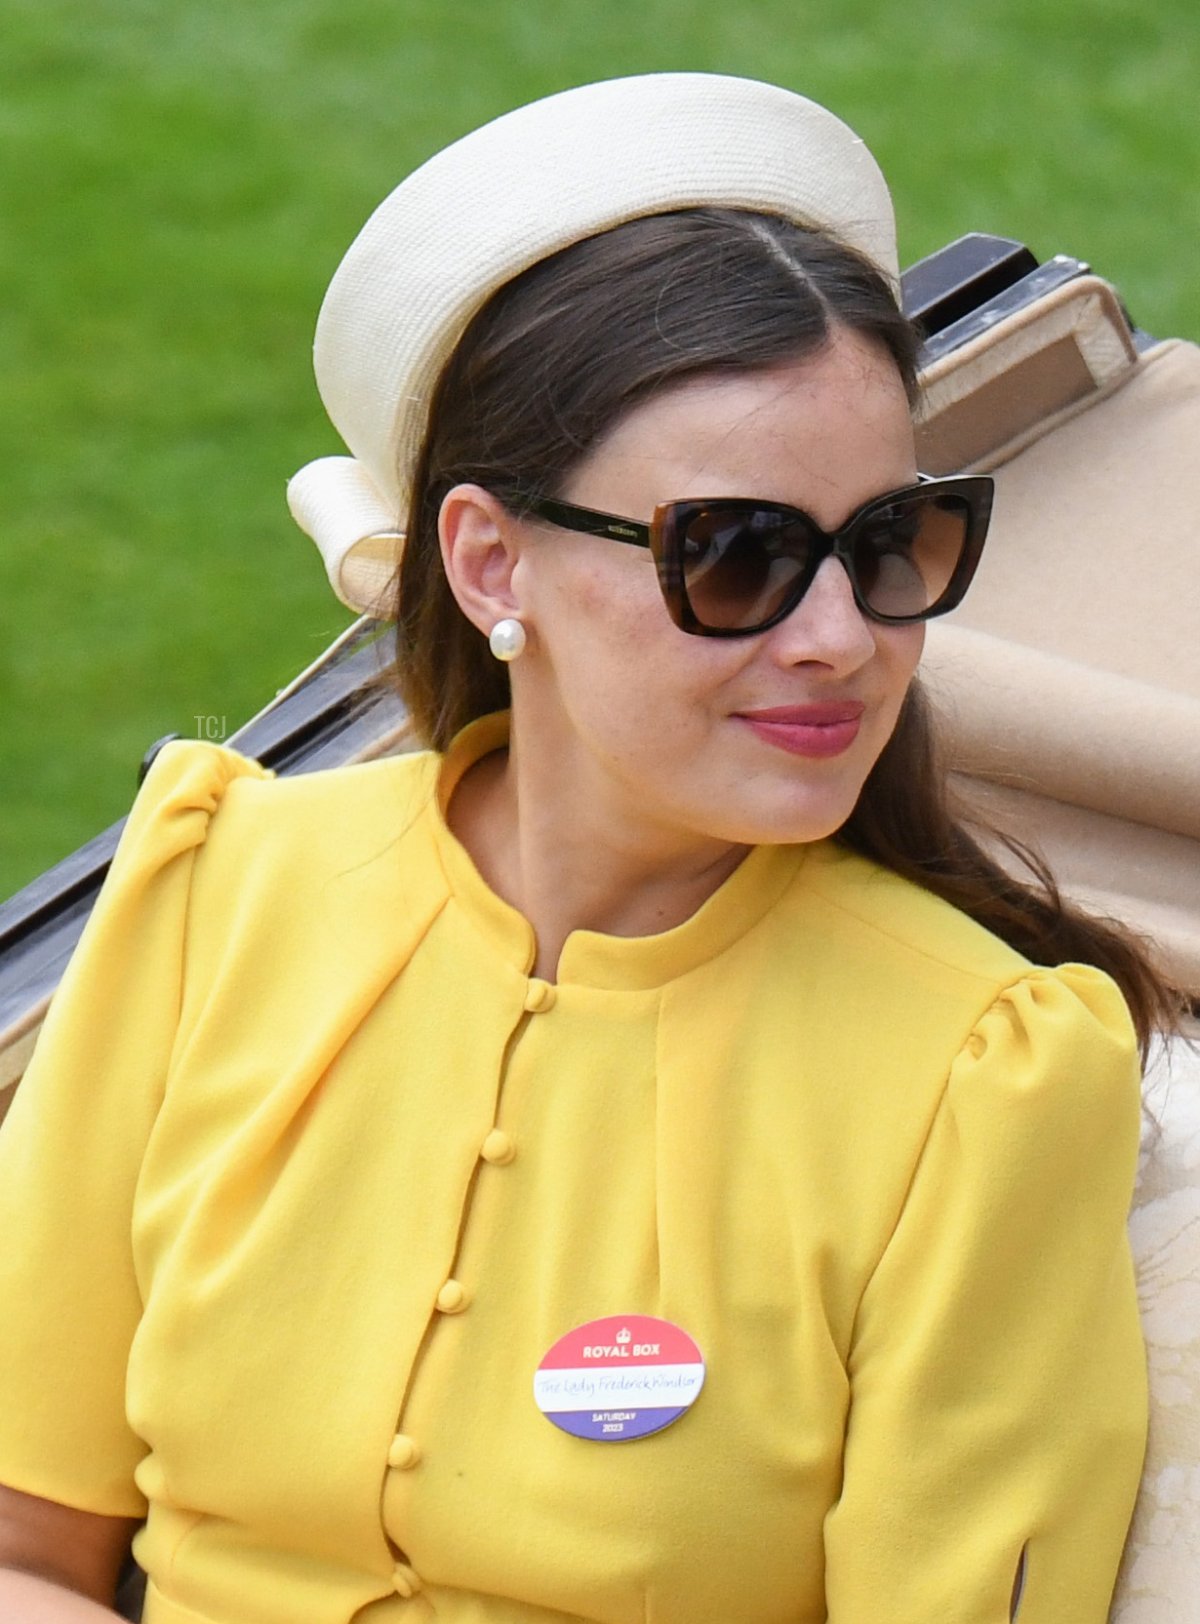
(588, 522)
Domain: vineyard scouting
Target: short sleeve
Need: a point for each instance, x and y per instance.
(71, 1148)
(998, 1375)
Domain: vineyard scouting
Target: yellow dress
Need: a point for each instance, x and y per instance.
(308, 1175)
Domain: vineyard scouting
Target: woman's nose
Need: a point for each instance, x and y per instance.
(826, 627)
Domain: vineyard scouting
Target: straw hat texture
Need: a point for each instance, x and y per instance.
(508, 195)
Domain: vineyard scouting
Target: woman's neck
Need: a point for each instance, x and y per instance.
(568, 861)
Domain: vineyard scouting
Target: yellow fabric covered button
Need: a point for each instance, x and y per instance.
(498, 1148)
(405, 1581)
(539, 997)
(452, 1298)
(404, 1452)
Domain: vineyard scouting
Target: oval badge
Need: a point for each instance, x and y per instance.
(619, 1378)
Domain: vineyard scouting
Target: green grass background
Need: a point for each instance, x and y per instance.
(178, 179)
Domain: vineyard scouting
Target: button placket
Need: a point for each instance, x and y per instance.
(406, 1581)
(540, 996)
(498, 1148)
(453, 1297)
(404, 1452)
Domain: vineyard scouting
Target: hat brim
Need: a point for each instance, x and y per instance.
(525, 186)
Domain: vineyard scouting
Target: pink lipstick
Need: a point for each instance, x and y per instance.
(807, 730)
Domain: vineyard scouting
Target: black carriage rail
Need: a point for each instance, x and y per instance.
(338, 714)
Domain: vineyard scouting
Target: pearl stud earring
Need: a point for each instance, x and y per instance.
(506, 639)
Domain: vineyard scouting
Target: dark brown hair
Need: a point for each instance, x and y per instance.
(554, 360)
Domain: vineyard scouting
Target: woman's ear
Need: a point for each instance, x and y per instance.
(479, 550)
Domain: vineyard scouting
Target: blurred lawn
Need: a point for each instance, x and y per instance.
(178, 179)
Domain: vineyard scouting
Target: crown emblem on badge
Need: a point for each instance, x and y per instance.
(623, 1335)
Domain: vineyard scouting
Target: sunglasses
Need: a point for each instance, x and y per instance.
(733, 566)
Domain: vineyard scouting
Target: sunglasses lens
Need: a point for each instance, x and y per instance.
(905, 553)
(739, 565)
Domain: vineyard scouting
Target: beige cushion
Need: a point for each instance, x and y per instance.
(1070, 679)
(1159, 1581)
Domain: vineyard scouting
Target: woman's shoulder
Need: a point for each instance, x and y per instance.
(277, 841)
(334, 868)
(873, 907)
(207, 772)
(913, 956)
(931, 1011)
(191, 782)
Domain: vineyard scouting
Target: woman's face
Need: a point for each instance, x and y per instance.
(712, 738)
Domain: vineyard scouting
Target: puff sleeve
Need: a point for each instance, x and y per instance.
(71, 1148)
(998, 1378)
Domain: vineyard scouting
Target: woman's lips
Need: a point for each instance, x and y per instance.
(807, 730)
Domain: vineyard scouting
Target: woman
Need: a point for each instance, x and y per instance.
(660, 1057)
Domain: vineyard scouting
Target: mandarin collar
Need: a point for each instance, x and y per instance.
(590, 958)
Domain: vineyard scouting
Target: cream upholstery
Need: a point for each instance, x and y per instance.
(1160, 1575)
(1069, 682)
